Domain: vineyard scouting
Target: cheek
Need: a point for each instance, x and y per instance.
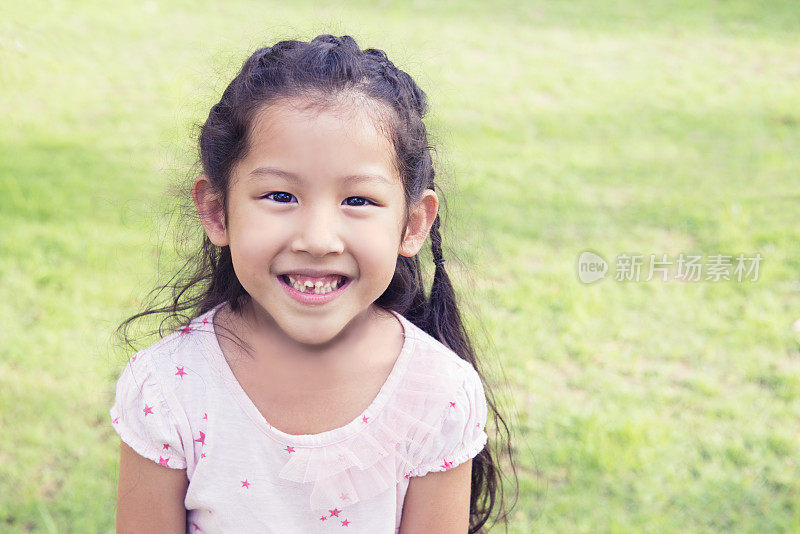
(377, 250)
(252, 246)
(381, 236)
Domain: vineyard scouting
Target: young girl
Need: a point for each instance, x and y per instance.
(313, 387)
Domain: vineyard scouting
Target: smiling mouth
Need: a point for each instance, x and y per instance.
(314, 288)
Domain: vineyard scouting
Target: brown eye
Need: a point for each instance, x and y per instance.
(281, 194)
(359, 204)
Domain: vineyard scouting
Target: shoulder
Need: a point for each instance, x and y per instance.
(177, 368)
(436, 358)
(188, 345)
(160, 391)
(452, 386)
(449, 374)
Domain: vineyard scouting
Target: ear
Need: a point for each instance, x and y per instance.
(209, 207)
(420, 220)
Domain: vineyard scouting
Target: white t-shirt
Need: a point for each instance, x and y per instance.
(179, 404)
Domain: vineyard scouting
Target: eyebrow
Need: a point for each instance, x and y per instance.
(291, 177)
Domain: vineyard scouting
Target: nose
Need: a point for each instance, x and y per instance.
(318, 233)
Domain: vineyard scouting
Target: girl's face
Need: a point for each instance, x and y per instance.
(317, 190)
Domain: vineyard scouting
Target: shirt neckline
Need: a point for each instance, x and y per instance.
(327, 437)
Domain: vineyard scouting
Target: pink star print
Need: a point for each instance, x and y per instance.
(133, 359)
(452, 404)
(166, 446)
(116, 420)
(186, 329)
(202, 455)
(163, 461)
(335, 512)
(478, 425)
(364, 419)
(205, 416)
(180, 372)
(345, 523)
(345, 496)
(289, 449)
(147, 410)
(323, 518)
(205, 321)
(245, 484)
(407, 474)
(196, 528)
(202, 438)
(447, 465)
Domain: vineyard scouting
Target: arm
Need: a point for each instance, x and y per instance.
(438, 502)
(150, 496)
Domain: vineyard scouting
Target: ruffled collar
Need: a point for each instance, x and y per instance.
(376, 450)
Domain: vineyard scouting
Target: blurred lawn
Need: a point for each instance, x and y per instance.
(561, 127)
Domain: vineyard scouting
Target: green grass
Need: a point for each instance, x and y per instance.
(617, 127)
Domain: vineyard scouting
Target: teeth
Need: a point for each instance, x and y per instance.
(316, 288)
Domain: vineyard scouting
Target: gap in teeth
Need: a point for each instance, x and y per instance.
(316, 288)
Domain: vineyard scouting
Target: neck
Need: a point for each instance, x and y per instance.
(273, 347)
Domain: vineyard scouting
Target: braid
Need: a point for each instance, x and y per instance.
(444, 317)
(436, 244)
(444, 321)
(318, 73)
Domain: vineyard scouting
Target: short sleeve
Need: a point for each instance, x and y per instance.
(462, 435)
(141, 416)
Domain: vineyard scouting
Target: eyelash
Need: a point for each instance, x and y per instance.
(285, 193)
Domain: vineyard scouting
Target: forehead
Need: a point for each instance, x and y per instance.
(338, 136)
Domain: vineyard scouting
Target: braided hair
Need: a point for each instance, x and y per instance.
(322, 72)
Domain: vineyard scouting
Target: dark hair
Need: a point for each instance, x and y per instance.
(321, 71)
